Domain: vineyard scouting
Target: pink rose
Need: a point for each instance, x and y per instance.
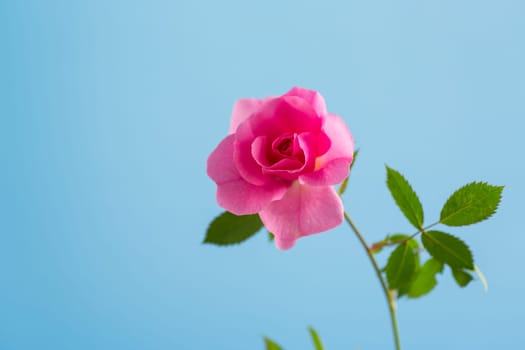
(281, 158)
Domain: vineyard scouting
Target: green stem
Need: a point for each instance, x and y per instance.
(388, 296)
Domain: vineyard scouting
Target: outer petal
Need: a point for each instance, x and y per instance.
(312, 97)
(245, 163)
(302, 211)
(333, 166)
(243, 109)
(284, 114)
(233, 192)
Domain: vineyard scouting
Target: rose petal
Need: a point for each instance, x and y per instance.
(260, 151)
(302, 211)
(289, 142)
(332, 173)
(245, 163)
(243, 109)
(306, 147)
(277, 117)
(233, 192)
(334, 166)
(242, 198)
(312, 97)
(313, 145)
(219, 166)
(287, 169)
(284, 114)
(296, 115)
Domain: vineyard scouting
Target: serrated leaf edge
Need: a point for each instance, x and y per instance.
(500, 188)
(418, 226)
(426, 234)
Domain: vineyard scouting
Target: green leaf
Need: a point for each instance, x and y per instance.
(401, 266)
(425, 278)
(404, 288)
(344, 184)
(405, 197)
(472, 203)
(448, 249)
(316, 340)
(270, 236)
(462, 277)
(227, 228)
(271, 345)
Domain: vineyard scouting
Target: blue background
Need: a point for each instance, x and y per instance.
(109, 109)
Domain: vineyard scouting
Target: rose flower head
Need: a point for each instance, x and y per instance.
(280, 160)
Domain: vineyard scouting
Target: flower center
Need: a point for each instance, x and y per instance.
(285, 147)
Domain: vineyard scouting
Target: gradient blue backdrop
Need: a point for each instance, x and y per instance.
(108, 110)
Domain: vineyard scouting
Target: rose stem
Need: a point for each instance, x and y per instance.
(389, 299)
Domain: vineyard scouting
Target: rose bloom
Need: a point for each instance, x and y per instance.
(280, 160)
